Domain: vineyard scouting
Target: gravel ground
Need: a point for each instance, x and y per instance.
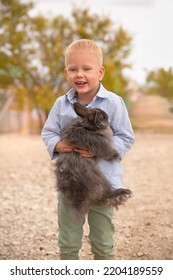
(28, 213)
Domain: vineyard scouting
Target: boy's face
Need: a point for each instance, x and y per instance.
(83, 72)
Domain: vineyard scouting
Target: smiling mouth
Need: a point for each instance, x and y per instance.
(80, 83)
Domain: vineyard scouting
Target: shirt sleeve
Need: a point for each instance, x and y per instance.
(122, 129)
(51, 130)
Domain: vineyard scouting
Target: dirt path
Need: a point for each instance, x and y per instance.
(28, 219)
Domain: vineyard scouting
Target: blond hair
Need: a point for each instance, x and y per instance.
(84, 45)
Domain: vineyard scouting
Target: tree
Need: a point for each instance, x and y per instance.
(31, 58)
(160, 82)
(47, 80)
(15, 42)
(32, 52)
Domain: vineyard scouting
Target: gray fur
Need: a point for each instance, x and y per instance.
(79, 179)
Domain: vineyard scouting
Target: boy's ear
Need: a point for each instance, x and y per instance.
(65, 71)
(101, 73)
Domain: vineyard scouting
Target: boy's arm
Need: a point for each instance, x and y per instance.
(51, 136)
(122, 129)
(51, 131)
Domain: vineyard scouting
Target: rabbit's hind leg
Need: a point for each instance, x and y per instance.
(118, 197)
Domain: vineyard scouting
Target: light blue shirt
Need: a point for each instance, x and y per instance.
(62, 113)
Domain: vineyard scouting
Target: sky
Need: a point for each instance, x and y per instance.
(150, 22)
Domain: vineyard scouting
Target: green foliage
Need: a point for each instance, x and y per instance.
(14, 41)
(160, 82)
(116, 53)
(32, 52)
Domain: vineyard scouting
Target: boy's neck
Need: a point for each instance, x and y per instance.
(85, 99)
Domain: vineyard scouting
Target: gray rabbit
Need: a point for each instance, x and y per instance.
(79, 179)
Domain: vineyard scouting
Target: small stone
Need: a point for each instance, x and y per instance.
(41, 248)
(5, 243)
(140, 254)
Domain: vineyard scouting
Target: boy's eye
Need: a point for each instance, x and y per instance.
(72, 69)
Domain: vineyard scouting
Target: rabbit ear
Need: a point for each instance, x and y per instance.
(92, 116)
(83, 112)
(80, 109)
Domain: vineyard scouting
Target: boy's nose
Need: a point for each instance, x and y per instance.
(79, 74)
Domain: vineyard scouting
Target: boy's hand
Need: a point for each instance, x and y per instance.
(84, 152)
(64, 147)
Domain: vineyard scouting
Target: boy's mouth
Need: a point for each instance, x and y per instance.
(80, 83)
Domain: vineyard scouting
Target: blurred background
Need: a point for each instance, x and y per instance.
(137, 44)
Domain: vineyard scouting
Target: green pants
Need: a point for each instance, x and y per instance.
(101, 232)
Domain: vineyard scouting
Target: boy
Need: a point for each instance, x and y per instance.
(84, 71)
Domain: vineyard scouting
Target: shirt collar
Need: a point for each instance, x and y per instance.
(102, 93)
(71, 94)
